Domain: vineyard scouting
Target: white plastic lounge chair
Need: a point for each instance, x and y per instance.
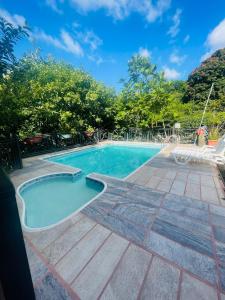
(206, 153)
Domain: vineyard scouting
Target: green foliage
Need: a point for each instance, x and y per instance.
(200, 80)
(9, 35)
(47, 96)
(148, 99)
(43, 95)
(214, 134)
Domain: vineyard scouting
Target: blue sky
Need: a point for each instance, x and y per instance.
(100, 36)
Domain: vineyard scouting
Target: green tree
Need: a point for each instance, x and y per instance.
(212, 70)
(147, 96)
(9, 36)
(47, 96)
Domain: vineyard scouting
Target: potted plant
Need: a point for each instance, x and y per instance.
(213, 136)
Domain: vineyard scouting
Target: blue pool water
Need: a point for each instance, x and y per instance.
(52, 199)
(112, 160)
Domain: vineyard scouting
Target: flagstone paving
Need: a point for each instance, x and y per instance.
(159, 234)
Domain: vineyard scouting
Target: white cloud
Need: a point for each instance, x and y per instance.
(96, 58)
(186, 39)
(70, 44)
(15, 20)
(144, 52)
(120, 9)
(215, 39)
(176, 58)
(170, 73)
(154, 12)
(90, 38)
(99, 60)
(54, 6)
(175, 28)
(65, 43)
(76, 24)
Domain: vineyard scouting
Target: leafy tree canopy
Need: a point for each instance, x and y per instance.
(44, 95)
(9, 35)
(200, 80)
(48, 96)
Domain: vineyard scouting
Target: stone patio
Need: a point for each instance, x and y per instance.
(160, 234)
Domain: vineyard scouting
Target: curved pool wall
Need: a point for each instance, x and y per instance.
(51, 209)
(43, 203)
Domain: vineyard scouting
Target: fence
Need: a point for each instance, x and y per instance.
(157, 135)
(11, 150)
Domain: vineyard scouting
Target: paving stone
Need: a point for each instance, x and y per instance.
(89, 284)
(142, 178)
(105, 202)
(111, 198)
(209, 193)
(196, 263)
(219, 233)
(153, 182)
(207, 181)
(220, 252)
(76, 217)
(112, 221)
(181, 176)
(222, 276)
(139, 202)
(222, 296)
(193, 190)
(37, 267)
(125, 228)
(129, 275)
(170, 175)
(162, 281)
(65, 242)
(41, 240)
(132, 178)
(219, 188)
(116, 191)
(146, 194)
(178, 187)
(192, 288)
(194, 178)
(218, 220)
(136, 213)
(185, 223)
(186, 201)
(72, 263)
(165, 185)
(217, 210)
(50, 289)
(180, 235)
(187, 207)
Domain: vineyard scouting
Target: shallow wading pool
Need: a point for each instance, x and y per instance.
(50, 199)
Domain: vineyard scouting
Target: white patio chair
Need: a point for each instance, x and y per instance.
(206, 153)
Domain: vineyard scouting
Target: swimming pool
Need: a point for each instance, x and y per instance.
(112, 160)
(50, 199)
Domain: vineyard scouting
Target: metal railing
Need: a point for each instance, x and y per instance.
(158, 135)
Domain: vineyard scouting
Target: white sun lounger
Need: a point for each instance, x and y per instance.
(208, 154)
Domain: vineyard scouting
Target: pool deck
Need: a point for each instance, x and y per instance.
(159, 234)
